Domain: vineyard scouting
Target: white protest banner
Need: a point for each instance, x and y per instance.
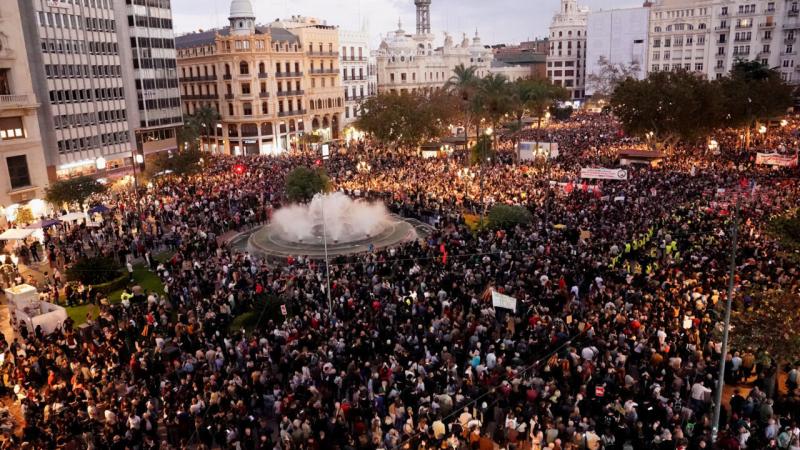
(775, 159)
(503, 301)
(604, 174)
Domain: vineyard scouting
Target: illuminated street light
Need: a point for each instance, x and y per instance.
(100, 163)
(488, 131)
(139, 158)
(784, 122)
(762, 129)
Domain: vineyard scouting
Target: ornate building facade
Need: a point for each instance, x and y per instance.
(409, 62)
(270, 84)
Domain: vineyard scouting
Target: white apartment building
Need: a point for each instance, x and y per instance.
(618, 36)
(566, 60)
(709, 36)
(354, 64)
(23, 171)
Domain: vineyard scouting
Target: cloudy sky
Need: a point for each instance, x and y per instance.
(498, 21)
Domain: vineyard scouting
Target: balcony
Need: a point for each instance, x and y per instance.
(297, 112)
(767, 25)
(746, 26)
(288, 74)
(742, 39)
(722, 28)
(262, 75)
(290, 93)
(790, 40)
(323, 54)
(227, 76)
(324, 71)
(200, 97)
(793, 13)
(263, 94)
(228, 96)
(199, 78)
(17, 101)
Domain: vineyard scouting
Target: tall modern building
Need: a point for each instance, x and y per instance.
(411, 62)
(23, 171)
(270, 84)
(354, 63)
(78, 76)
(566, 61)
(618, 37)
(148, 48)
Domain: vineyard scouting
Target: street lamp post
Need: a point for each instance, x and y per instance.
(325, 157)
(727, 324)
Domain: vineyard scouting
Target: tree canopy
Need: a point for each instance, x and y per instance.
(303, 183)
(609, 75)
(680, 105)
(73, 190)
(186, 162)
(407, 119)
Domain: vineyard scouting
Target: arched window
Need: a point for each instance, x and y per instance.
(657, 29)
(247, 109)
(244, 69)
(319, 103)
(701, 26)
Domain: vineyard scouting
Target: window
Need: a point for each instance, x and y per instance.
(245, 88)
(18, 171)
(11, 128)
(243, 68)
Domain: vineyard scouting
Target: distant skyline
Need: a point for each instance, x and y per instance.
(498, 21)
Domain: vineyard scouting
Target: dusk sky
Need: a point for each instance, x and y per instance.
(498, 21)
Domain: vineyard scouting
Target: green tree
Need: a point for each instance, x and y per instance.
(463, 84)
(508, 216)
(407, 119)
(533, 97)
(73, 190)
(189, 134)
(206, 119)
(494, 97)
(753, 93)
(770, 323)
(673, 106)
(303, 183)
(182, 163)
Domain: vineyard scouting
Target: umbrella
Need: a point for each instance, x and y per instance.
(99, 209)
(44, 223)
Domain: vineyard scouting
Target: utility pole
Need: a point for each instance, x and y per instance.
(727, 325)
(325, 157)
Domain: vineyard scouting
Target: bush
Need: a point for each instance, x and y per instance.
(265, 308)
(94, 271)
(507, 216)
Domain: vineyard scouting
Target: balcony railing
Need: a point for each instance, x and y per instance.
(323, 53)
(199, 78)
(15, 100)
(297, 112)
(290, 93)
(262, 75)
(200, 97)
(288, 74)
(790, 40)
(228, 96)
(227, 76)
(263, 94)
(793, 13)
(767, 25)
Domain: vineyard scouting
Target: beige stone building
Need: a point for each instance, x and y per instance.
(270, 84)
(23, 171)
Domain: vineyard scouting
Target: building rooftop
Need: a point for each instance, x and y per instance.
(202, 38)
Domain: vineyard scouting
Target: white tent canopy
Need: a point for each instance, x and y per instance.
(15, 234)
(73, 216)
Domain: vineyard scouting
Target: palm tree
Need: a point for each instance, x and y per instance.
(494, 95)
(463, 84)
(206, 119)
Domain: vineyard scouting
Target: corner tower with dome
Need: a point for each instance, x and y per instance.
(410, 62)
(270, 83)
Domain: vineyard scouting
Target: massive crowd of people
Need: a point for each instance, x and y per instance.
(612, 345)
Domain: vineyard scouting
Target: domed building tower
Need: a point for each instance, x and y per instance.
(242, 18)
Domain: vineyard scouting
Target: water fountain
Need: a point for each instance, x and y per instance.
(348, 225)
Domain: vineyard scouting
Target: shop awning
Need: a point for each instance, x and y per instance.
(73, 216)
